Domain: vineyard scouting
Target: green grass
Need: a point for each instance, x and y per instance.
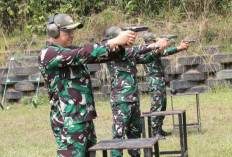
(25, 131)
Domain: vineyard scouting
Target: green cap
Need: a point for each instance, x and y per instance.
(65, 22)
(149, 36)
(112, 32)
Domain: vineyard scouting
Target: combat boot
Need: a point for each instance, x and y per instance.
(164, 133)
(157, 133)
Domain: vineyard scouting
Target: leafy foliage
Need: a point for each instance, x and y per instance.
(31, 15)
(25, 100)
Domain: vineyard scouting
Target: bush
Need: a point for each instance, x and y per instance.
(42, 99)
(31, 16)
(25, 100)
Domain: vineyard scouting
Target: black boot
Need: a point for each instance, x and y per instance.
(157, 133)
(164, 133)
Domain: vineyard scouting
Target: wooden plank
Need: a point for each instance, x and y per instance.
(184, 94)
(124, 144)
(162, 113)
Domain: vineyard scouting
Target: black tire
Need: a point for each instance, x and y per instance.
(25, 71)
(165, 61)
(193, 76)
(211, 67)
(224, 74)
(95, 82)
(34, 77)
(100, 95)
(198, 89)
(28, 93)
(193, 60)
(222, 58)
(93, 67)
(182, 84)
(169, 78)
(175, 69)
(229, 66)
(13, 94)
(215, 83)
(13, 79)
(24, 86)
(106, 89)
(143, 87)
(226, 61)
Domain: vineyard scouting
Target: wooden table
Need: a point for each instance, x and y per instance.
(138, 143)
(197, 124)
(182, 129)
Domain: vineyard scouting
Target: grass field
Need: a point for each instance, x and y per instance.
(25, 131)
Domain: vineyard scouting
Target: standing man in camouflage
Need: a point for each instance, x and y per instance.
(124, 96)
(156, 84)
(69, 85)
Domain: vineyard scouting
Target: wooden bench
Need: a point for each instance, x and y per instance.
(182, 129)
(138, 143)
(189, 125)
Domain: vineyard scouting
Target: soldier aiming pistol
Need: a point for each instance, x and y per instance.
(169, 37)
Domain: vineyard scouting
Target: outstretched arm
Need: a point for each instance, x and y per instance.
(55, 56)
(160, 46)
(139, 51)
(171, 51)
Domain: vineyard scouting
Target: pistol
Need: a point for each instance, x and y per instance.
(169, 36)
(136, 28)
(189, 41)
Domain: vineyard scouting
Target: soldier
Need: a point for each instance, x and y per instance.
(156, 84)
(69, 85)
(124, 96)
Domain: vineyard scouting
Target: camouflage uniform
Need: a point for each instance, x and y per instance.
(71, 95)
(156, 85)
(124, 96)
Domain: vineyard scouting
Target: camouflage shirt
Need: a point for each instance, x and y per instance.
(155, 67)
(68, 79)
(124, 86)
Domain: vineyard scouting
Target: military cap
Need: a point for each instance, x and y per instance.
(64, 21)
(149, 36)
(112, 32)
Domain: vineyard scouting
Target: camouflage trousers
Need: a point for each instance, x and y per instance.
(126, 121)
(73, 139)
(157, 91)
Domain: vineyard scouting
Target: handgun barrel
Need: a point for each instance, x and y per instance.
(136, 29)
(169, 36)
(189, 41)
